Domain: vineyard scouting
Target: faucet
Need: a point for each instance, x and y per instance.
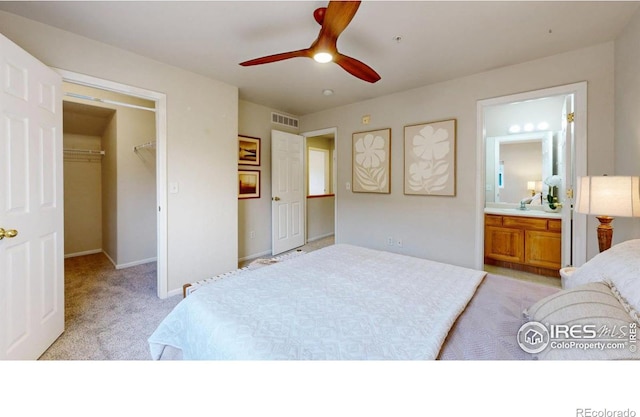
(527, 200)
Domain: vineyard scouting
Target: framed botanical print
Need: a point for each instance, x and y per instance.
(372, 162)
(248, 150)
(430, 158)
(249, 184)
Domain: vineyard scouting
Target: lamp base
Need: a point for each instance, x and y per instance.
(605, 232)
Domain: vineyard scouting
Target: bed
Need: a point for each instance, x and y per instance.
(346, 302)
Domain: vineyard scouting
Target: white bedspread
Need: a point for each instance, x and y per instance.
(340, 302)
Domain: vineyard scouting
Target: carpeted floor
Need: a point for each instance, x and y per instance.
(109, 313)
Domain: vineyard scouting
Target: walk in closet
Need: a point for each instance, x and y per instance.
(109, 175)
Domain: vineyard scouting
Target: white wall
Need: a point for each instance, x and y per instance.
(627, 121)
(202, 124)
(443, 228)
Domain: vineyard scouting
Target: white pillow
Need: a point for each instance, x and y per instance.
(620, 264)
(594, 304)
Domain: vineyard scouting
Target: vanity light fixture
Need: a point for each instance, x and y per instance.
(514, 129)
(327, 92)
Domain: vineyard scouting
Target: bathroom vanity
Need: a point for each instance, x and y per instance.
(526, 240)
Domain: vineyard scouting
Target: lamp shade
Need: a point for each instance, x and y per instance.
(531, 185)
(614, 196)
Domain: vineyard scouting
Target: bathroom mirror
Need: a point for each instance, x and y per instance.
(525, 144)
(517, 165)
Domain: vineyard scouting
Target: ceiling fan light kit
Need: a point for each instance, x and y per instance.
(333, 20)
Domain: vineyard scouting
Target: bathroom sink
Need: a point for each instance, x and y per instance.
(526, 213)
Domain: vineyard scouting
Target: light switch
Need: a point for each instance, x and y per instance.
(348, 186)
(366, 119)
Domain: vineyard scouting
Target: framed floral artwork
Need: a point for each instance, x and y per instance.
(248, 184)
(248, 150)
(430, 158)
(372, 162)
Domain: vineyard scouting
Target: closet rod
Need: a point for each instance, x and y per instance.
(144, 145)
(84, 151)
(107, 101)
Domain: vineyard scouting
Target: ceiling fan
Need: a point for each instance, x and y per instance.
(334, 19)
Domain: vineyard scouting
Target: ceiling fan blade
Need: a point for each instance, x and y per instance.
(356, 68)
(336, 18)
(277, 57)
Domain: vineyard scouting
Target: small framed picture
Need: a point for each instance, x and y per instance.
(248, 150)
(248, 184)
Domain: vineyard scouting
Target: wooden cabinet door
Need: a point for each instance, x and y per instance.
(504, 244)
(543, 249)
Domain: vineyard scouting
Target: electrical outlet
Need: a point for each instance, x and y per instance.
(390, 241)
(348, 186)
(366, 119)
(252, 234)
(399, 243)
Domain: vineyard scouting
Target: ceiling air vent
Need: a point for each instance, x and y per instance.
(281, 119)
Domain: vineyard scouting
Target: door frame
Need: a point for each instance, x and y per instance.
(334, 172)
(579, 224)
(160, 100)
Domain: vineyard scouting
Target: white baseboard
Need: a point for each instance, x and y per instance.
(83, 253)
(134, 263)
(255, 255)
(313, 239)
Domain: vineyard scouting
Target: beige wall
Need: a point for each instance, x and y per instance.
(627, 122)
(443, 228)
(254, 215)
(202, 127)
(82, 196)
(136, 187)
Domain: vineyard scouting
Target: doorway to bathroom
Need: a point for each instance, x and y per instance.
(531, 147)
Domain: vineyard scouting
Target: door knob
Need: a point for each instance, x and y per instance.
(276, 198)
(8, 233)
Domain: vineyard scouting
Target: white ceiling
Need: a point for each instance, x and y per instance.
(440, 40)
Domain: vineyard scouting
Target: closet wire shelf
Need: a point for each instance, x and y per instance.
(82, 155)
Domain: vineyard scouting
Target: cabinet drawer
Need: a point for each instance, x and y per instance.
(555, 225)
(491, 220)
(525, 222)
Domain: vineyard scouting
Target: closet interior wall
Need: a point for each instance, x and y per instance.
(110, 199)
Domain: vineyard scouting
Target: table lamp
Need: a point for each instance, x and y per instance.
(531, 187)
(608, 197)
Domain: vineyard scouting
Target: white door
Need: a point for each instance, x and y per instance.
(31, 262)
(287, 191)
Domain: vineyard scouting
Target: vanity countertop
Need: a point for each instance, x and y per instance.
(523, 213)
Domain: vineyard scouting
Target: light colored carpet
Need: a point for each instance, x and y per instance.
(109, 313)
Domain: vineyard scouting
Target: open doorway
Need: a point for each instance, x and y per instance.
(320, 184)
(109, 175)
(552, 124)
(145, 151)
